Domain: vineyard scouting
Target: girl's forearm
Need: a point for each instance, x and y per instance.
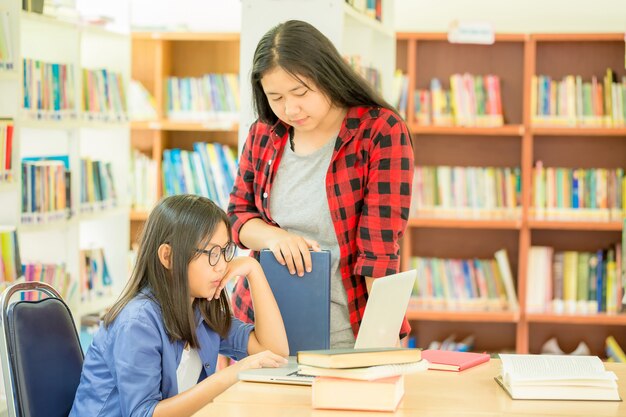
(268, 323)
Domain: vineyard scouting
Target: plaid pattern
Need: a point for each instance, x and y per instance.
(368, 184)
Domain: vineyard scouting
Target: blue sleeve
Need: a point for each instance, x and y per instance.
(137, 367)
(235, 345)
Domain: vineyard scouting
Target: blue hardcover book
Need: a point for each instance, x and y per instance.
(304, 302)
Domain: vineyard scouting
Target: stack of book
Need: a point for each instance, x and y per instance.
(359, 379)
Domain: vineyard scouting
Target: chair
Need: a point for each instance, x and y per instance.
(40, 353)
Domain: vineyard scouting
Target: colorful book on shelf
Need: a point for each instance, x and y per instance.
(614, 351)
(10, 260)
(557, 377)
(6, 149)
(447, 360)
(354, 358)
(351, 394)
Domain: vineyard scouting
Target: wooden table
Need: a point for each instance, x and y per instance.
(472, 392)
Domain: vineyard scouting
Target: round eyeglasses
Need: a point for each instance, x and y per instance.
(215, 252)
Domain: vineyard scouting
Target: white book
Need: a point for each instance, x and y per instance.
(557, 377)
(368, 373)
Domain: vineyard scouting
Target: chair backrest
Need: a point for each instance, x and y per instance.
(40, 353)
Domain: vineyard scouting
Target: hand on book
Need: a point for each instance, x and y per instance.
(293, 251)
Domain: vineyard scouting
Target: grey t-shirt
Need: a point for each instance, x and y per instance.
(298, 203)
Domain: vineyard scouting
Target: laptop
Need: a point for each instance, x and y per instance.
(304, 302)
(384, 313)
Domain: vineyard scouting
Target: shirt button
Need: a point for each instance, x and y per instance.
(264, 195)
(207, 365)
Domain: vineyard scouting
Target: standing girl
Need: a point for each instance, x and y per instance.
(156, 351)
(327, 164)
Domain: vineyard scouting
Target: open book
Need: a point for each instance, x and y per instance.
(557, 377)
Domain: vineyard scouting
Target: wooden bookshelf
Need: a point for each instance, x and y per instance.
(515, 58)
(158, 55)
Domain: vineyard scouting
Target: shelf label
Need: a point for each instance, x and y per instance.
(481, 33)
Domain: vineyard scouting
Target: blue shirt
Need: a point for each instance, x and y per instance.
(131, 365)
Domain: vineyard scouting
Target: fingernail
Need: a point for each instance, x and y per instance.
(308, 269)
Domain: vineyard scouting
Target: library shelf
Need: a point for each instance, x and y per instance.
(171, 125)
(57, 225)
(9, 75)
(73, 134)
(100, 214)
(507, 130)
(578, 131)
(575, 225)
(367, 21)
(603, 319)
(187, 36)
(156, 56)
(515, 58)
(463, 316)
(453, 223)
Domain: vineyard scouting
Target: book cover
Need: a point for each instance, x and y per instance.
(354, 358)
(304, 302)
(349, 394)
(447, 360)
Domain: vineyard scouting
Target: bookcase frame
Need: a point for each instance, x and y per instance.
(515, 58)
(61, 241)
(158, 55)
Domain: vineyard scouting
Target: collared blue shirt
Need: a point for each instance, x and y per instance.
(131, 365)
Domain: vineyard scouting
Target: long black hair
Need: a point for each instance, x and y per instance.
(303, 51)
(185, 222)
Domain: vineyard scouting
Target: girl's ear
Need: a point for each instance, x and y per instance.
(165, 253)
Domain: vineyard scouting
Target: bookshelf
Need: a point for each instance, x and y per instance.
(515, 58)
(74, 135)
(159, 55)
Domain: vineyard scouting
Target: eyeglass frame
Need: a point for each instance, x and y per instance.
(222, 252)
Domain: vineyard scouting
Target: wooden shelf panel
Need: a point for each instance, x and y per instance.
(463, 316)
(575, 225)
(598, 319)
(466, 224)
(138, 215)
(508, 130)
(437, 36)
(573, 131)
(186, 126)
(187, 36)
(577, 37)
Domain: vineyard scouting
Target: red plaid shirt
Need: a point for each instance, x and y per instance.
(368, 185)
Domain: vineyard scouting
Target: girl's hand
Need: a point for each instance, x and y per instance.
(265, 359)
(240, 266)
(293, 251)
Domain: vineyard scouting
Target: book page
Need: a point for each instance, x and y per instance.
(553, 367)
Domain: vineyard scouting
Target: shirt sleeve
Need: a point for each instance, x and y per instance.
(387, 199)
(235, 345)
(241, 205)
(137, 367)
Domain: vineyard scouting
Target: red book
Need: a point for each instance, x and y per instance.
(447, 360)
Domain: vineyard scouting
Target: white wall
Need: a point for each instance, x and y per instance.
(514, 15)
